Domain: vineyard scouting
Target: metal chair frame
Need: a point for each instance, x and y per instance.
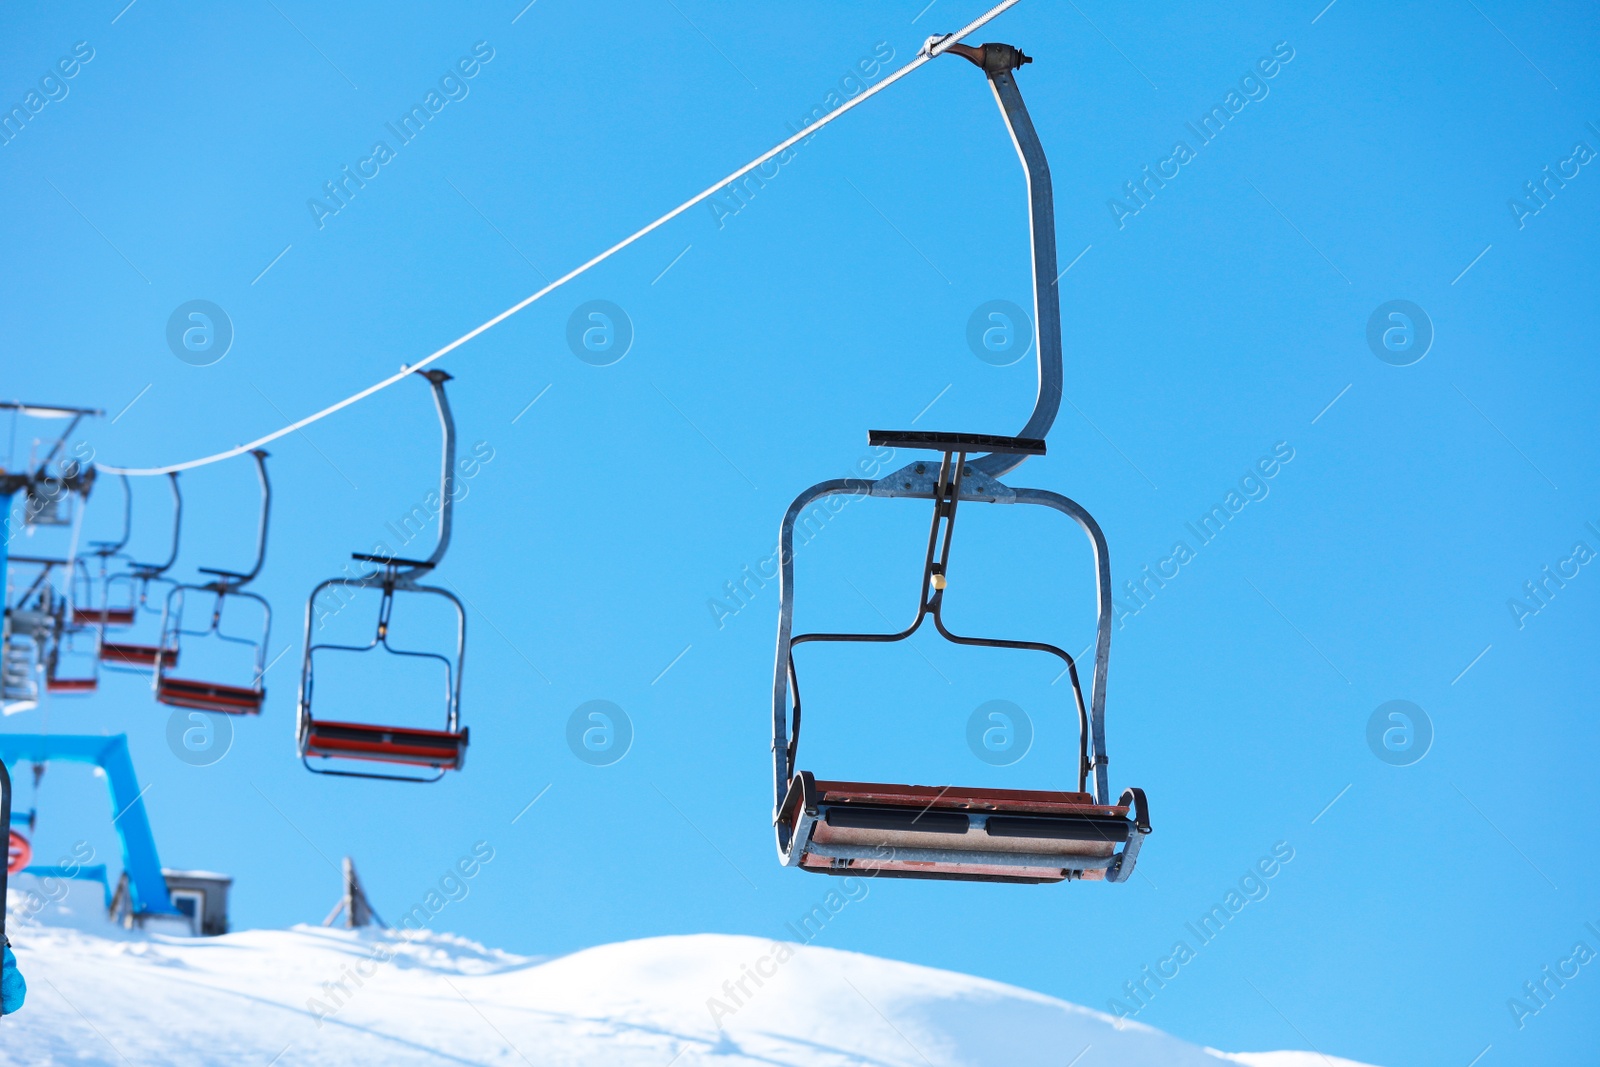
(956, 478)
(141, 579)
(85, 580)
(74, 621)
(391, 576)
(224, 584)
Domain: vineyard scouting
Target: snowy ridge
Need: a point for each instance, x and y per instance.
(310, 995)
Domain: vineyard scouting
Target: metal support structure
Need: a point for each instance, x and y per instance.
(447, 463)
(353, 904)
(125, 656)
(917, 481)
(103, 552)
(140, 575)
(51, 411)
(140, 860)
(1096, 755)
(107, 549)
(233, 581)
(43, 489)
(999, 62)
(156, 570)
(38, 618)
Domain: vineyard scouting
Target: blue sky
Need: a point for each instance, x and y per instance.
(1226, 318)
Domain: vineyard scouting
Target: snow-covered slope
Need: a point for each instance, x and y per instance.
(309, 995)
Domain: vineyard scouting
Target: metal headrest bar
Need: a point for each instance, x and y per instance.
(233, 581)
(447, 463)
(999, 63)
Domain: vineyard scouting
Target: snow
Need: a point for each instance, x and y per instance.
(102, 995)
(213, 875)
(1290, 1059)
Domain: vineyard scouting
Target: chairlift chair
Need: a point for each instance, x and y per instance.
(67, 646)
(948, 832)
(75, 623)
(142, 582)
(225, 697)
(69, 685)
(430, 752)
(91, 606)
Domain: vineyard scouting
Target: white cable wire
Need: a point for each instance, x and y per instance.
(922, 57)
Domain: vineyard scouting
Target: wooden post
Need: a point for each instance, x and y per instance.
(353, 903)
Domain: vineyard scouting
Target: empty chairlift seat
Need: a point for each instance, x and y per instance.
(93, 585)
(150, 656)
(442, 749)
(996, 835)
(119, 617)
(209, 696)
(70, 668)
(134, 585)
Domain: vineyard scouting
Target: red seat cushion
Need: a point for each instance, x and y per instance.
(209, 696)
(912, 817)
(961, 798)
(387, 744)
(108, 617)
(137, 655)
(71, 685)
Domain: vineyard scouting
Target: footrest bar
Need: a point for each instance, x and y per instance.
(936, 441)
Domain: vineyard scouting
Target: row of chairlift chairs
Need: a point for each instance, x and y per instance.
(822, 826)
(70, 617)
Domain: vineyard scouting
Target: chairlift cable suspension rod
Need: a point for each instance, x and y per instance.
(783, 146)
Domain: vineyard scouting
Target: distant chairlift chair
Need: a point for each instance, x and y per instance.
(972, 834)
(85, 618)
(91, 606)
(432, 752)
(140, 581)
(70, 643)
(218, 696)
